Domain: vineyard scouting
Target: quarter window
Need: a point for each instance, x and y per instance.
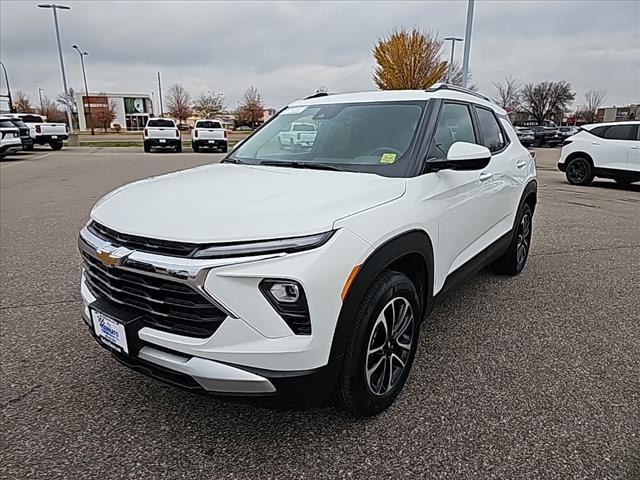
(454, 125)
(619, 132)
(492, 135)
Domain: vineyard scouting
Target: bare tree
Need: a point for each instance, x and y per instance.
(179, 102)
(251, 108)
(508, 93)
(456, 77)
(105, 115)
(208, 106)
(408, 59)
(543, 99)
(589, 111)
(22, 102)
(50, 111)
(71, 98)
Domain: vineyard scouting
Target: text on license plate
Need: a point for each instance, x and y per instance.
(109, 331)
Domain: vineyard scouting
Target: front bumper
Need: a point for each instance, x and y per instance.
(253, 353)
(10, 148)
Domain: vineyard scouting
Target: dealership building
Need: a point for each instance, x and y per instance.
(132, 110)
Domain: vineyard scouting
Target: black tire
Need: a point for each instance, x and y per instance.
(355, 388)
(179, 148)
(224, 149)
(538, 142)
(195, 147)
(29, 147)
(579, 171)
(147, 147)
(515, 258)
(623, 181)
(56, 145)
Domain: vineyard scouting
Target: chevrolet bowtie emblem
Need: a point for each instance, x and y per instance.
(111, 256)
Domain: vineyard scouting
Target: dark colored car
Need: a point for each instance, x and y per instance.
(25, 137)
(545, 136)
(185, 127)
(525, 135)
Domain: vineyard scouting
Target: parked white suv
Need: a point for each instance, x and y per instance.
(607, 150)
(162, 133)
(209, 134)
(290, 277)
(10, 141)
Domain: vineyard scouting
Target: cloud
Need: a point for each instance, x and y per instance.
(287, 50)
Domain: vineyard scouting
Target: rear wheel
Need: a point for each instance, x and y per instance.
(538, 142)
(179, 148)
(579, 171)
(381, 346)
(29, 147)
(147, 147)
(56, 145)
(224, 148)
(515, 258)
(195, 147)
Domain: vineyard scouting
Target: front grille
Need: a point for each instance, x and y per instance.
(143, 244)
(166, 305)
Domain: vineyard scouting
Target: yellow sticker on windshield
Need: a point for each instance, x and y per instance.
(388, 158)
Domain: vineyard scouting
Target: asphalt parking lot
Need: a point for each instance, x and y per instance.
(533, 377)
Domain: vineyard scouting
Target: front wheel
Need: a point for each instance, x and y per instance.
(515, 258)
(56, 145)
(579, 172)
(381, 346)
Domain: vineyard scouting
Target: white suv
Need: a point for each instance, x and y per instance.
(290, 277)
(608, 150)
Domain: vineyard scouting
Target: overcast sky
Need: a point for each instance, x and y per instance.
(287, 50)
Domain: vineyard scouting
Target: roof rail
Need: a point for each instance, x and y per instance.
(316, 95)
(456, 88)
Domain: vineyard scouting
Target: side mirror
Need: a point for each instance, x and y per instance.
(463, 156)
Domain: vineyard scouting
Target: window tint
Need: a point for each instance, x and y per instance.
(491, 132)
(6, 124)
(304, 127)
(19, 123)
(454, 125)
(597, 131)
(160, 123)
(206, 124)
(619, 132)
(31, 119)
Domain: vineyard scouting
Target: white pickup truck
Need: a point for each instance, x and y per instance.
(209, 134)
(43, 132)
(298, 135)
(162, 133)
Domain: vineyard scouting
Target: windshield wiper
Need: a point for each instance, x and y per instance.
(293, 164)
(231, 160)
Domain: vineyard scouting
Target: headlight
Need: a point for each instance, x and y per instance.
(262, 247)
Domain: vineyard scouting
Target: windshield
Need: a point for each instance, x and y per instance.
(364, 137)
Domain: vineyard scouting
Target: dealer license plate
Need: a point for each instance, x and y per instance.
(109, 331)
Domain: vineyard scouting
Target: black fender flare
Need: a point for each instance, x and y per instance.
(530, 191)
(411, 242)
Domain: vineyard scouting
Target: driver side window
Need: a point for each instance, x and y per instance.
(454, 125)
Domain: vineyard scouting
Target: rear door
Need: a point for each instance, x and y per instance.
(633, 158)
(611, 149)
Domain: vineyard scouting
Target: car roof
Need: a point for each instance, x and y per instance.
(607, 124)
(395, 96)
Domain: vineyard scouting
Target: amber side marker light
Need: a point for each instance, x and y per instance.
(347, 285)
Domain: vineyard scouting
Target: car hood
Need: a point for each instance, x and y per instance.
(227, 202)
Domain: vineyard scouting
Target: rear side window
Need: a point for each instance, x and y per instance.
(454, 125)
(160, 123)
(207, 124)
(619, 132)
(492, 135)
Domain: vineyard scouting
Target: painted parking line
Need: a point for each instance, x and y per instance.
(19, 162)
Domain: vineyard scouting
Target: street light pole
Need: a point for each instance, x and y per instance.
(86, 88)
(453, 47)
(55, 8)
(467, 43)
(40, 90)
(6, 78)
(160, 96)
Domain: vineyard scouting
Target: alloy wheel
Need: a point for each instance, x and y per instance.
(389, 346)
(524, 240)
(577, 171)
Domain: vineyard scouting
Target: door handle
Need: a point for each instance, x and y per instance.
(521, 163)
(485, 176)
(635, 148)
